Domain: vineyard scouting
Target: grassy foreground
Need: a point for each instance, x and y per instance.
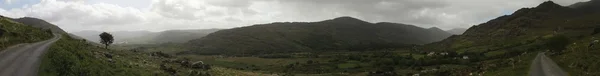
(71, 57)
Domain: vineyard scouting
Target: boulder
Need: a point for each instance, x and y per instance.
(200, 65)
(168, 69)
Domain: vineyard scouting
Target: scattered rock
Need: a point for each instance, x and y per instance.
(168, 69)
(198, 73)
(107, 55)
(200, 65)
(185, 63)
(170, 61)
(161, 54)
(111, 61)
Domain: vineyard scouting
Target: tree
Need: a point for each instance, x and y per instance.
(106, 39)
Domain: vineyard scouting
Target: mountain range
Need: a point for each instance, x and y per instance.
(343, 33)
(147, 37)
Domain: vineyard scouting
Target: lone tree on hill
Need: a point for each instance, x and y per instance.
(106, 39)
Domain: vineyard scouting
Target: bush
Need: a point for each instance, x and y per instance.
(557, 43)
(596, 30)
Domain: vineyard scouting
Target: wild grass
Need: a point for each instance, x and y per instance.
(71, 57)
(17, 33)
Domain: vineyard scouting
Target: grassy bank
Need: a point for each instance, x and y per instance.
(71, 57)
(16, 33)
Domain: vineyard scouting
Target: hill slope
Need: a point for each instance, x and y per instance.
(12, 33)
(181, 36)
(457, 31)
(39, 23)
(344, 33)
(562, 31)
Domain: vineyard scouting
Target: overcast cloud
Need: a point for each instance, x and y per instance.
(159, 15)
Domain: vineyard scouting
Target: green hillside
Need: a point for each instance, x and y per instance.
(71, 57)
(170, 36)
(39, 23)
(344, 33)
(564, 32)
(16, 33)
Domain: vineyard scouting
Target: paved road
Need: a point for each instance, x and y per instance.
(544, 66)
(24, 59)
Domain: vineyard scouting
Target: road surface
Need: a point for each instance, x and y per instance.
(24, 59)
(544, 66)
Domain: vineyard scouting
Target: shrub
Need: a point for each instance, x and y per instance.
(557, 43)
(596, 30)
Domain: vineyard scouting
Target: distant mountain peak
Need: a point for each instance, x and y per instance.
(31, 18)
(347, 19)
(435, 28)
(549, 4)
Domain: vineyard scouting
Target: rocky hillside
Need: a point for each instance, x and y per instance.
(564, 32)
(524, 24)
(344, 33)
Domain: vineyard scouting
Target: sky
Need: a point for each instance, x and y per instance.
(160, 15)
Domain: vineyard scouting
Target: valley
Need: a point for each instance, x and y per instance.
(548, 39)
(506, 45)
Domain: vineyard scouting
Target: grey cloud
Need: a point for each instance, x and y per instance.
(70, 0)
(233, 19)
(381, 10)
(424, 13)
(178, 14)
(176, 9)
(230, 3)
(85, 15)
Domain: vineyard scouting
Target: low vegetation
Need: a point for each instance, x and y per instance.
(504, 46)
(13, 33)
(71, 57)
